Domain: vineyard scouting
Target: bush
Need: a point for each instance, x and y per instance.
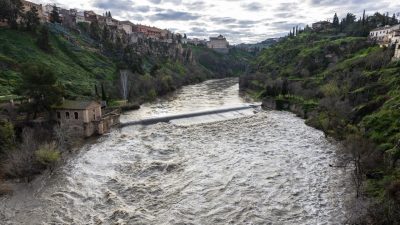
(48, 154)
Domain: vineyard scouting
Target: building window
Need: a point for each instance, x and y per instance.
(76, 115)
(94, 114)
(67, 115)
(58, 115)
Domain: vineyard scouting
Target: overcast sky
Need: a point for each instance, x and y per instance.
(240, 21)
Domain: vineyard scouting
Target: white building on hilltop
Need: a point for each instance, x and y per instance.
(219, 44)
(385, 35)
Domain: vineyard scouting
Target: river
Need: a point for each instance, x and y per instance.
(249, 168)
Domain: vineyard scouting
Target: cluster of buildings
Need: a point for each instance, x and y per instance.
(387, 36)
(71, 17)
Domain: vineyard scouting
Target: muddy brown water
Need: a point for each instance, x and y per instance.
(263, 167)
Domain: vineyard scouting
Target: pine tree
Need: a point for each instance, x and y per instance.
(335, 21)
(55, 15)
(40, 84)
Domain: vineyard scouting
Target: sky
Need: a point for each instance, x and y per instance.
(241, 21)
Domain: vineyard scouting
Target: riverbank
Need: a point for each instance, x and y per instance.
(265, 167)
(351, 94)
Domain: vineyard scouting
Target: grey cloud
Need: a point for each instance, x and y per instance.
(254, 6)
(223, 20)
(173, 15)
(287, 7)
(113, 5)
(199, 5)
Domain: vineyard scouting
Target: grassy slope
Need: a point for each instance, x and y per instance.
(77, 66)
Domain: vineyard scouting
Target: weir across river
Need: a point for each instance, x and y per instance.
(166, 119)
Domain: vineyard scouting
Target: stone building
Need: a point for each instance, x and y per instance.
(26, 6)
(84, 118)
(127, 26)
(219, 44)
(90, 16)
(321, 25)
(150, 32)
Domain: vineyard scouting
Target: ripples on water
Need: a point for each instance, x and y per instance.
(268, 168)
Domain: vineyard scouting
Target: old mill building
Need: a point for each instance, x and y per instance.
(84, 118)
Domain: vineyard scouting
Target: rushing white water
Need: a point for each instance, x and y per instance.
(263, 168)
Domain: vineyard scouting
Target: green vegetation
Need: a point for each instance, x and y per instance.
(77, 66)
(349, 88)
(47, 154)
(39, 84)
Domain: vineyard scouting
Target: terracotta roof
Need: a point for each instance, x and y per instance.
(67, 104)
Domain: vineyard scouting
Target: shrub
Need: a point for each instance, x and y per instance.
(47, 154)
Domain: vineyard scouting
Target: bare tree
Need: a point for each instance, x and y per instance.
(124, 84)
(360, 150)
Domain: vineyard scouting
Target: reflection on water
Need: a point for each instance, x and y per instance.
(265, 168)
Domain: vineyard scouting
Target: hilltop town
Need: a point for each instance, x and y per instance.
(134, 32)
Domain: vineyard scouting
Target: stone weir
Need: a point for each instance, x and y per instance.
(166, 119)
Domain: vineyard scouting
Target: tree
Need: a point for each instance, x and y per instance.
(10, 11)
(55, 15)
(393, 21)
(32, 19)
(184, 36)
(43, 41)
(39, 84)
(335, 21)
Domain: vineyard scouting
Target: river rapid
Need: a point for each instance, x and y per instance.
(263, 167)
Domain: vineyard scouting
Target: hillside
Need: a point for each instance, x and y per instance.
(347, 87)
(80, 63)
(78, 66)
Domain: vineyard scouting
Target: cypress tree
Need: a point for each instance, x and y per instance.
(335, 21)
(103, 93)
